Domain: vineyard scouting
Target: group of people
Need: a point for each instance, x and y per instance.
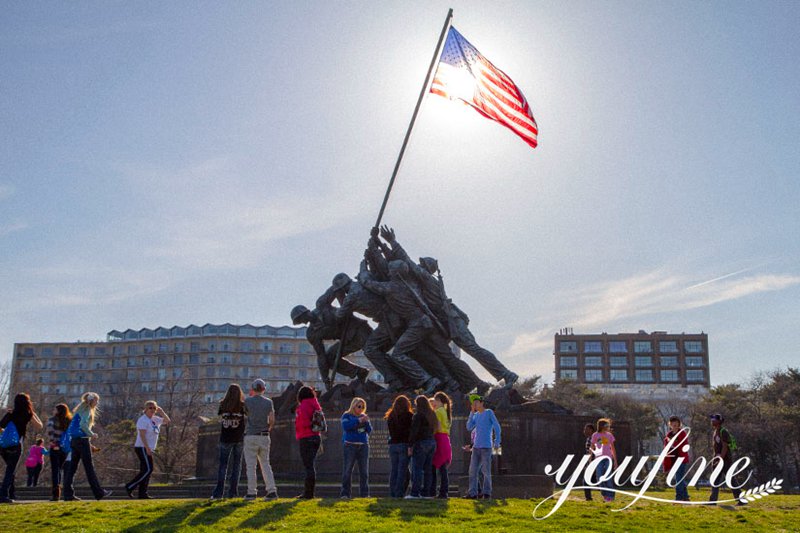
(416, 322)
(419, 443)
(600, 442)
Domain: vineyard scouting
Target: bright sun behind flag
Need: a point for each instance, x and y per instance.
(464, 74)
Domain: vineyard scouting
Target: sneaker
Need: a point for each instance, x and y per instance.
(106, 494)
(129, 492)
(271, 496)
(411, 497)
(250, 497)
(471, 497)
(146, 497)
(73, 499)
(214, 499)
(343, 497)
(486, 497)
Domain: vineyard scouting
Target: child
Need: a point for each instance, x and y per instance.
(34, 462)
(675, 453)
(603, 440)
(443, 455)
(484, 423)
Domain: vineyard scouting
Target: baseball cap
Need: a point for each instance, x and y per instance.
(473, 397)
(258, 384)
(718, 417)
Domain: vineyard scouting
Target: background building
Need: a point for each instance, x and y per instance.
(195, 363)
(644, 365)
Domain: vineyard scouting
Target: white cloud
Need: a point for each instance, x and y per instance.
(650, 293)
(11, 227)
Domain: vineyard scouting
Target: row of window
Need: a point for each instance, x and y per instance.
(639, 361)
(622, 347)
(175, 360)
(643, 375)
(163, 374)
(178, 347)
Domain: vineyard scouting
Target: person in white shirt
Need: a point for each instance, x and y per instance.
(147, 429)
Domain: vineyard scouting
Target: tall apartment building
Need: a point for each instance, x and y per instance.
(646, 365)
(199, 360)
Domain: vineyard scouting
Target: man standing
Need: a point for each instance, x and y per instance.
(260, 419)
(679, 451)
(723, 444)
(487, 438)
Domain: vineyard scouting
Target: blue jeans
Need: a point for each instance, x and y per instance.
(480, 462)
(681, 490)
(397, 479)
(356, 453)
(444, 488)
(602, 467)
(229, 451)
(421, 469)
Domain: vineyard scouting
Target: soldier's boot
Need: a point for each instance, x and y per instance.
(430, 386)
(483, 388)
(510, 378)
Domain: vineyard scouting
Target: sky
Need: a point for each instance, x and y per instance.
(202, 162)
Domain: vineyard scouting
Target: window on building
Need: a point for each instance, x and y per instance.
(47, 352)
(99, 350)
(194, 347)
(148, 348)
(618, 375)
(593, 374)
(226, 358)
(177, 359)
(246, 346)
(283, 373)
(302, 373)
(570, 360)
(694, 360)
(162, 373)
(669, 360)
(644, 375)
(305, 347)
(83, 351)
(643, 360)
(617, 360)
(266, 346)
(668, 347)
(133, 349)
(264, 360)
(247, 331)
(28, 352)
(163, 347)
(211, 358)
(226, 346)
(592, 347)
(617, 347)
(194, 359)
(284, 360)
(286, 348)
(246, 358)
(244, 372)
(64, 350)
(669, 375)
(224, 371)
(568, 347)
(211, 371)
(695, 375)
(178, 347)
(211, 346)
(64, 364)
(116, 363)
(693, 346)
(568, 373)
(642, 347)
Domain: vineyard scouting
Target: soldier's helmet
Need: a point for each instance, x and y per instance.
(340, 281)
(398, 268)
(429, 263)
(297, 314)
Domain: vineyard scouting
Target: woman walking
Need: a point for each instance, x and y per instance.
(443, 455)
(231, 442)
(307, 433)
(80, 433)
(14, 425)
(355, 439)
(148, 428)
(423, 424)
(398, 419)
(56, 427)
(35, 462)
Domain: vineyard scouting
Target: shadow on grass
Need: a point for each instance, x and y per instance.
(408, 509)
(481, 506)
(270, 513)
(214, 513)
(172, 519)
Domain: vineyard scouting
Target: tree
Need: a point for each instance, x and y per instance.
(5, 382)
(529, 387)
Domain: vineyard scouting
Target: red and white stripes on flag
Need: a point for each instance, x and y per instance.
(464, 74)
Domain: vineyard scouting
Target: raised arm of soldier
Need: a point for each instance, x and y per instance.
(399, 253)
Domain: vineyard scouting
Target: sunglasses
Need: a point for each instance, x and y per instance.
(359, 406)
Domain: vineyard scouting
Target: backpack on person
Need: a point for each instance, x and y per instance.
(65, 441)
(318, 422)
(732, 446)
(10, 436)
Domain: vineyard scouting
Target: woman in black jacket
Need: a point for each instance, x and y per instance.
(423, 445)
(398, 420)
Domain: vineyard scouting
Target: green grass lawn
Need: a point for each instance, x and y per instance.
(773, 513)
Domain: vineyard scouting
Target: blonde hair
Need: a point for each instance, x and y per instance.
(84, 406)
(355, 401)
(150, 403)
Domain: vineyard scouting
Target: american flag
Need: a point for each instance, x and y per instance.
(464, 74)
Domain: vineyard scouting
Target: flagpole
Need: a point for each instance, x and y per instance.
(423, 92)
